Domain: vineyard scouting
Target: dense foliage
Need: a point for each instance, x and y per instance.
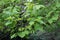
(23, 17)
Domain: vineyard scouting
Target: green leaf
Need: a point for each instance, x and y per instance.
(54, 18)
(7, 23)
(14, 35)
(38, 27)
(31, 22)
(22, 34)
(12, 0)
(38, 7)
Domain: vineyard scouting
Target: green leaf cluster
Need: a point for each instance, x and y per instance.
(23, 17)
